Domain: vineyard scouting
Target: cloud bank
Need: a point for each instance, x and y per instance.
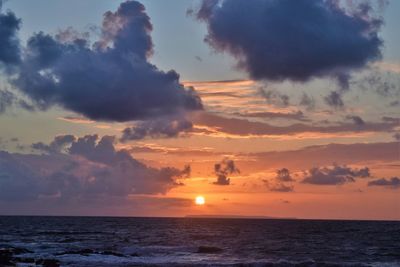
(87, 169)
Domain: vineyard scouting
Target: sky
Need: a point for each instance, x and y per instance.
(264, 108)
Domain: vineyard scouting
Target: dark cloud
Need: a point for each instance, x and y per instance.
(334, 99)
(274, 97)
(396, 136)
(56, 146)
(393, 182)
(7, 99)
(307, 101)
(110, 80)
(335, 175)
(278, 40)
(283, 175)
(223, 169)
(281, 182)
(383, 84)
(356, 119)
(10, 53)
(88, 169)
(158, 128)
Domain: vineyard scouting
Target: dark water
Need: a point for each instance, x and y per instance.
(91, 241)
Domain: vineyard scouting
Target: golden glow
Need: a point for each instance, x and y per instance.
(200, 200)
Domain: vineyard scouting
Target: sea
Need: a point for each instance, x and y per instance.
(110, 241)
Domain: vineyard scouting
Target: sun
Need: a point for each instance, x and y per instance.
(200, 200)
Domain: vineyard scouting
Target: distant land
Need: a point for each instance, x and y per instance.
(236, 217)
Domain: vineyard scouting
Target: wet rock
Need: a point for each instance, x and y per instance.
(48, 262)
(24, 260)
(207, 249)
(17, 251)
(6, 257)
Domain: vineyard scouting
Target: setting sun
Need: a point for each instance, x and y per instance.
(200, 200)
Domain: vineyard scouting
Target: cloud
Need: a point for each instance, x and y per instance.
(321, 155)
(356, 119)
(388, 66)
(243, 127)
(334, 99)
(274, 98)
(275, 115)
(7, 99)
(223, 169)
(9, 43)
(87, 169)
(278, 187)
(110, 80)
(56, 146)
(307, 101)
(286, 40)
(335, 175)
(393, 182)
(283, 175)
(281, 182)
(166, 127)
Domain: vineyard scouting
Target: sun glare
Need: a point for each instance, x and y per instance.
(200, 200)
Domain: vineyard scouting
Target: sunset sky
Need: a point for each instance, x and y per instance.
(264, 108)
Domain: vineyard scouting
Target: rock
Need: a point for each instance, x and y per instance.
(25, 260)
(48, 262)
(135, 255)
(5, 257)
(20, 251)
(206, 249)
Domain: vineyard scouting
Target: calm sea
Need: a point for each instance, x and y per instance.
(101, 241)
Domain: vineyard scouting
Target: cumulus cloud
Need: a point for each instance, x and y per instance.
(9, 42)
(111, 79)
(283, 175)
(335, 175)
(393, 182)
(282, 181)
(223, 169)
(56, 146)
(157, 128)
(288, 40)
(89, 168)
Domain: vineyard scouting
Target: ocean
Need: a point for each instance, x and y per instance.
(108, 241)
